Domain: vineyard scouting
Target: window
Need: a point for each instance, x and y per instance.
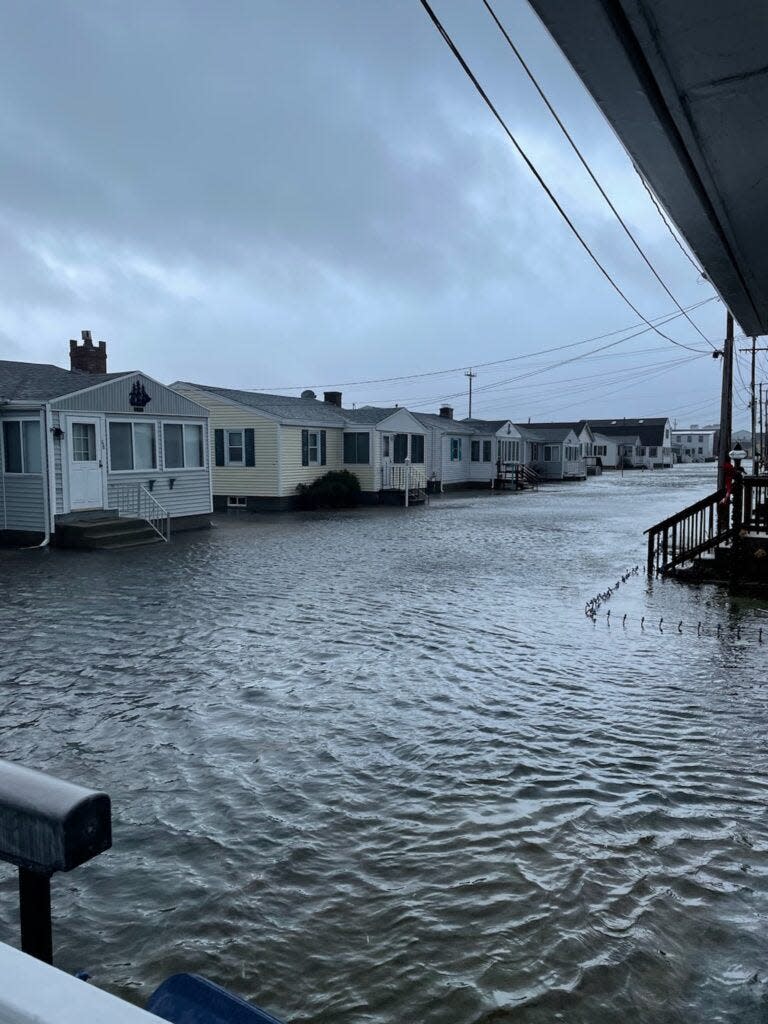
(514, 455)
(235, 448)
(689, 438)
(653, 452)
(385, 445)
(455, 449)
(401, 447)
(701, 437)
(313, 448)
(237, 502)
(474, 453)
(22, 446)
(551, 452)
(131, 446)
(183, 446)
(83, 442)
(601, 450)
(417, 448)
(357, 448)
(486, 451)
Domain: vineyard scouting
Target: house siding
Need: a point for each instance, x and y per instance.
(114, 397)
(22, 495)
(370, 475)
(261, 480)
(24, 502)
(293, 473)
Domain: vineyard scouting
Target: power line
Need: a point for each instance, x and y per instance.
(532, 167)
(663, 216)
(661, 318)
(587, 167)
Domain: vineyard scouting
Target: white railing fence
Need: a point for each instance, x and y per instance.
(136, 501)
(401, 477)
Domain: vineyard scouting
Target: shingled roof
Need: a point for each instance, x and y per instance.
(650, 429)
(40, 382)
(282, 407)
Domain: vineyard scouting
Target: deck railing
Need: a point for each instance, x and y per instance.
(136, 501)
(755, 504)
(685, 535)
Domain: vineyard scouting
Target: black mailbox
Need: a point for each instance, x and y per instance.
(47, 825)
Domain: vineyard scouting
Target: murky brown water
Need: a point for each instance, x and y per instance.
(378, 766)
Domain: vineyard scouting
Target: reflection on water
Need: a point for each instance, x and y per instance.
(378, 766)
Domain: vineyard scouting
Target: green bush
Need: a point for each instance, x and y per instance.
(337, 489)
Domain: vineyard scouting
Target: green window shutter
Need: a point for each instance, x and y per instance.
(417, 448)
(219, 446)
(475, 453)
(364, 448)
(250, 447)
(486, 451)
(305, 447)
(322, 447)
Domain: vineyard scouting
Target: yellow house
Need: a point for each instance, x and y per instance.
(263, 446)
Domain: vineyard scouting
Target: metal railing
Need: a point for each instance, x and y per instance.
(135, 501)
(401, 476)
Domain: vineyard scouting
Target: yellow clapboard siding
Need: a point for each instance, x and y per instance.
(260, 480)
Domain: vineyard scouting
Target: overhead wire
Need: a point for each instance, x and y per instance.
(588, 168)
(534, 170)
(662, 318)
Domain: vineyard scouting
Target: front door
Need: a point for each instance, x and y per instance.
(85, 442)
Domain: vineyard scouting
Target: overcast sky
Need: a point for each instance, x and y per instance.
(284, 193)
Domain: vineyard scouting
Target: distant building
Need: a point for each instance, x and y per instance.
(644, 443)
(695, 444)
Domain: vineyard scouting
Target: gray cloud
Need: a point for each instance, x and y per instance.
(283, 193)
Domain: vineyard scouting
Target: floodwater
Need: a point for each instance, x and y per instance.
(378, 766)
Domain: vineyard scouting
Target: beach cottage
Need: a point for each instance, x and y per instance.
(98, 459)
(264, 446)
(644, 443)
(496, 451)
(553, 451)
(449, 450)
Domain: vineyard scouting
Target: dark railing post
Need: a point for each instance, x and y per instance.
(47, 825)
(651, 551)
(35, 914)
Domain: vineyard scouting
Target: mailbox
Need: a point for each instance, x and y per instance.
(47, 825)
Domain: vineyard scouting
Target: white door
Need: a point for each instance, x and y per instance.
(85, 443)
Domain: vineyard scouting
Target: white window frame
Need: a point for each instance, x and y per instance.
(184, 424)
(20, 420)
(241, 446)
(134, 471)
(386, 446)
(457, 442)
(552, 448)
(316, 435)
(237, 501)
(355, 433)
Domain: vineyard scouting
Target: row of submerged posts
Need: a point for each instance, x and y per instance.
(48, 825)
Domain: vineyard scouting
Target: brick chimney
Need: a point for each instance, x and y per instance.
(87, 357)
(332, 398)
(446, 411)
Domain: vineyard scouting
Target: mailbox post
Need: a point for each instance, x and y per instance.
(47, 825)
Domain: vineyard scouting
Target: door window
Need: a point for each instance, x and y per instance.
(83, 442)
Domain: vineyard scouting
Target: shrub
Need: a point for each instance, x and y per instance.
(337, 489)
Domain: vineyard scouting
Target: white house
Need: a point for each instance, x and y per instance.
(449, 450)
(554, 450)
(696, 444)
(653, 434)
(98, 459)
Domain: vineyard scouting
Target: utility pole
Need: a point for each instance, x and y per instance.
(726, 410)
(752, 404)
(759, 463)
(471, 374)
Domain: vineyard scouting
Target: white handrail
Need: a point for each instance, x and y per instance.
(137, 501)
(398, 476)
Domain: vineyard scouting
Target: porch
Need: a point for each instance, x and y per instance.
(714, 542)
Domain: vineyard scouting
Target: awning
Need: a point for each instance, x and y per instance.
(685, 86)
